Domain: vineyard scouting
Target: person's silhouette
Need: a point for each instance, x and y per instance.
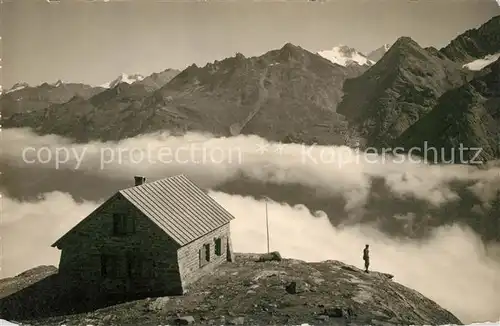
(366, 257)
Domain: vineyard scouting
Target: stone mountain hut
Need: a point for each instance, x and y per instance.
(153, 238)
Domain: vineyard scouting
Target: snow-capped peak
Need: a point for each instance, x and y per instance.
(345, 56)
(58, 83)
(123, 78)
(17, 87)
(479, 64)
(377, 54)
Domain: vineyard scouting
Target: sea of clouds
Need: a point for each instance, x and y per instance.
(452, 267)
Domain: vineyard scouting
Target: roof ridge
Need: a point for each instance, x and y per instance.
(156, 181)
(179, 207)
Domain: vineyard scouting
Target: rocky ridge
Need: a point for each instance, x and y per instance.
(475, 43)
(274, 291)
(25, 99)
(283, 93)
(468, 116)
(156, 80)
(398, 90)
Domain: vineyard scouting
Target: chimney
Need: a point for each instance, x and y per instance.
(139, 180)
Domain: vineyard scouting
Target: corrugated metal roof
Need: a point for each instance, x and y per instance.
(179, 207)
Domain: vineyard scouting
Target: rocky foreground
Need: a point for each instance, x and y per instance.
(271, 292)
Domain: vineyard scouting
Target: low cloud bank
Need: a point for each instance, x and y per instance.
(211, 161)
(453, 266)
(450, 268)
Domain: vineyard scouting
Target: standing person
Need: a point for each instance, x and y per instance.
(366, 257)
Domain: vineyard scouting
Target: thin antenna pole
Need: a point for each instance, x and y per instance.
(267, 228)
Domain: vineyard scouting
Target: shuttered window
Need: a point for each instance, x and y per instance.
(123, 224)
(206, 247)
(204, 254)
(218, 246)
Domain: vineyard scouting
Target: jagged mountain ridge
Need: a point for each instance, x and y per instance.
(16, 87)
(151, 83)
(156, 80)
(381, 103)
(396, 91)
(289, 90)
(467, 116)
(23, 98)
(475, 43)
(124, 97)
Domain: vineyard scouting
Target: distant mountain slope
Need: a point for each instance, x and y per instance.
(106, 112)
(16, 87)
(475, 43)
(377, 54)
(288, 93)
(25, 99)
(152, 82)
(394, 93)
(158, 80)
(467, 116)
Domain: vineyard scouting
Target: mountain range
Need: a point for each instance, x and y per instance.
(25, 99)
(396, 92)
(411, 97)
(290, 94)
(278, 95)
(399, 95)
(474, 43)
(468, 115)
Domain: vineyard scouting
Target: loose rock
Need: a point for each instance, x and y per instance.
(297, 287)
(333, 312)
(159, 304)
(108, 318)
(186, 320)
(349, 268)
(272, 256)
(237, 321)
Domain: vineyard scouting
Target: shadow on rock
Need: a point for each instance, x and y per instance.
(22, 298)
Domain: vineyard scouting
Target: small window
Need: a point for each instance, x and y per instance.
(122, 224)
(207, 252)
(204, 255)
(218, 246)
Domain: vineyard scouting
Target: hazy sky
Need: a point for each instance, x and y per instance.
(92, 42)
